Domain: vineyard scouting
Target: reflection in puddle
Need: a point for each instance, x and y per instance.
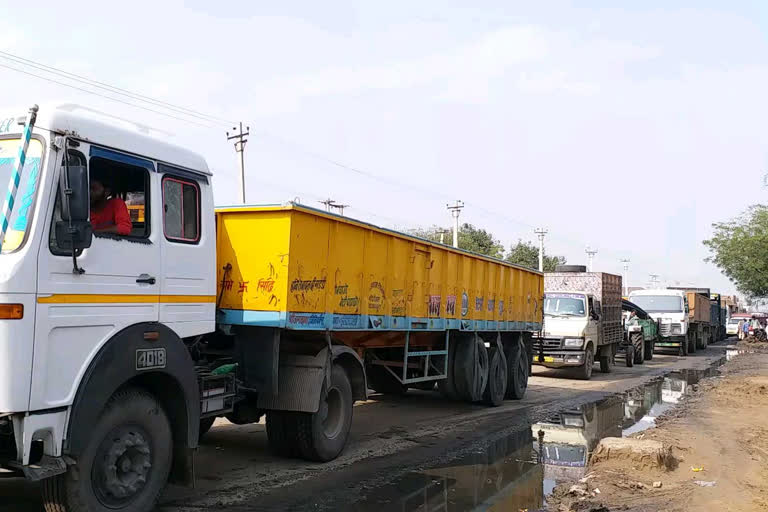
(517, 472)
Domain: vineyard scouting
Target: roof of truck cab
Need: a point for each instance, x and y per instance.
(103, 129)
(658, 291)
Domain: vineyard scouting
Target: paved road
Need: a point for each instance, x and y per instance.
(236, 472)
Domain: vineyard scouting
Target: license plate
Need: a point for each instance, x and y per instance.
(549, 359)
(149, 359)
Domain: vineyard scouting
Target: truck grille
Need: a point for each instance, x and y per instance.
(665, 329)
(540, 343)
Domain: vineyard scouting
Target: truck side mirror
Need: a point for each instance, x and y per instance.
(75, 193)
(74, 235)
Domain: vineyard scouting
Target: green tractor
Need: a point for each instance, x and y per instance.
(640, 334)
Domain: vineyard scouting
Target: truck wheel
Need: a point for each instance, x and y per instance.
(497, 379)
(381, 381)
(205, 426)
(650, 346)
(281, 433)
(125, 465)
(637, 342)
(471, 369)
(446, 386)
(692, 343)
(629, 356)
(606, 363)
(517, 372)
(322, 435)
(584, 372)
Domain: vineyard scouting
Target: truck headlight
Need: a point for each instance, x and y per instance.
(677, 329)
(573, 422)
(573, 342)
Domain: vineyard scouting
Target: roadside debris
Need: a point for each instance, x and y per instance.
(657, 485)
(702, 483)
(642, 452)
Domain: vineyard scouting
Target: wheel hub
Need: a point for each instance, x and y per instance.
(122, 468)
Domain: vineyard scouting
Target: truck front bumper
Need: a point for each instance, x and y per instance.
(671, 341)
(559, 358)
(30, 443)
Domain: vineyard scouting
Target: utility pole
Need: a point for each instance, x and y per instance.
(625, 261)
(455, 212)
(541, 232)
(442, 233)
(240, 140)
(654, 280)
(590, 257)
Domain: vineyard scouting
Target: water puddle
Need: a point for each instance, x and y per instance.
(517, 472)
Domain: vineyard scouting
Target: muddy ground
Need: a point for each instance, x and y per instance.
(718, 437)
(451, 456)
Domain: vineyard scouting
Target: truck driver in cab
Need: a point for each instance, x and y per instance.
(109, 214)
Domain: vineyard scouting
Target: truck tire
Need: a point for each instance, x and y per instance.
(629, 355)
(584, 372)
(205, 426)
(683, 350)
(517, 371)
(446, 386)
(650, 346)
(322, 435)
(606, 363)
(497, 379)
(639, 344)
(693, 342)
(471, 369)
(571, 268)
(281, 433)
(125, 465)
(381, 381)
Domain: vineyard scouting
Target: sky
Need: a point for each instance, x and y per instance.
(628, 129)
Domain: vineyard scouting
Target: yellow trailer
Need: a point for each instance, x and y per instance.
(295, 267)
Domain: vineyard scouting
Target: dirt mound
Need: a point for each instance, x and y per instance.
(645, 453)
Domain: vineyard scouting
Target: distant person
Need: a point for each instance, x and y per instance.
(633, 320)
(745, 329)
(108, 214)
(740, 329)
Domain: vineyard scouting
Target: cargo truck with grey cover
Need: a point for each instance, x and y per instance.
(582, 321)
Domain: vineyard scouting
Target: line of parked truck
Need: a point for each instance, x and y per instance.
(586, 319)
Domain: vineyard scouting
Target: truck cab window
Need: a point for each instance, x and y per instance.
(119, 195)
(181, 210)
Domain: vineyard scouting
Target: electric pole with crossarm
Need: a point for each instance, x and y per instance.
(240, 140)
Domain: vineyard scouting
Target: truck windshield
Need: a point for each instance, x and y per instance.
(25, 196)
(659, 303)
(564, 304)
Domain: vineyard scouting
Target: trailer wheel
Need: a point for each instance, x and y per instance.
(629, 356)
(322, 435)
(281, 433)
(692, 343)
(639, 345)
(517, 372)
(683, 350)
(471, 369)
(650, 346)
(124, 466)
(381, 381)
(497, 379)
(205, 426)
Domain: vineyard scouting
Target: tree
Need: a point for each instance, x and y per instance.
(738, 248)
(526, 254)
(471, 238)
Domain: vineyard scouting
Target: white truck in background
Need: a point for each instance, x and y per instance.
(582, 321)
(671, 309)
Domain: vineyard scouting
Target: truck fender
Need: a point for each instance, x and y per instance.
(355, 368)
(172, 381)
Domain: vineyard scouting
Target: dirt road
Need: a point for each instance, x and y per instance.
(719, 444)
(390, 437)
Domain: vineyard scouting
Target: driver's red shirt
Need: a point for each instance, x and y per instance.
(114, 213)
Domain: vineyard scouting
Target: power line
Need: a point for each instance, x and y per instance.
(105, 96)
(111, 88)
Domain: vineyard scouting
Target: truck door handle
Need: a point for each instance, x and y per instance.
(146, 279)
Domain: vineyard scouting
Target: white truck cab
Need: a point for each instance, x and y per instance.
(570, 325)
(670, 309)
(84, 312)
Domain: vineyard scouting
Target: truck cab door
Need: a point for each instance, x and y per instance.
(188, 251)
(78, 313)
(592, 331)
